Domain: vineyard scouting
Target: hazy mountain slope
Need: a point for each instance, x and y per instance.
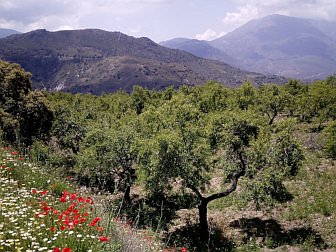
(201, 49)
(7, 32)
(99, 61)
(288, 46)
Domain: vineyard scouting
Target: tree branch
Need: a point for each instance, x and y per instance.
(235, 179)
(196, 191)
(228, 190)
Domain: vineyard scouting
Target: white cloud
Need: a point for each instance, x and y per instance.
(135, 30)
(244, 14)
(25, 15)
(209, 34)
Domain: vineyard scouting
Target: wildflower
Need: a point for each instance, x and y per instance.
(81, 199)
(63, 199)
(44, 192)
(94, 222)
(52, 229)
(56, 250)
(103, 238)
(184, 249)
(89, 200)
(73, 196)
(66, 250)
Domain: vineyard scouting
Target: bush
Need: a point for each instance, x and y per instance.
(330, 145)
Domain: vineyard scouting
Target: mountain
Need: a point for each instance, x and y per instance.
(282, 45)
(98, 61)
(7, 32)
(201, 49)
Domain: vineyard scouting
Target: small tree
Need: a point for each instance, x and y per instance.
(36, 117)
(271, 100)
(246, 96)
(106, 159)
(183, 155)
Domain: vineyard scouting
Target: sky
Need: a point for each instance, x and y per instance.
(159, 20)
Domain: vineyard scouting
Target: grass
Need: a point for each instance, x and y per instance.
(39, 212)
(37, 219)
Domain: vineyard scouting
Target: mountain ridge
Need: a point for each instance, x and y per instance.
(276, 44)
(7, 32)
(96, 61)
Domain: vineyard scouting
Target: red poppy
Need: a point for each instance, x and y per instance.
(89, 200)
(66, 250)
(52, 229)
(63, 199)
(65, 193)
(56, 250)
(99, 229)
(103, 238)
(183, 249)
(94, 222)
(44, 192)
(56, 212)
(81, 199)
(34, 191)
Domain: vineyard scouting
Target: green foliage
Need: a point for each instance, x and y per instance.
(178, 150)
(106, 158)
(15, 84)
(25, 115)
(246, 96)
(211, 97)
(270, 161)
(36, 118)
(67, 130)
(319, 102)
(271, 101)
(330, 145)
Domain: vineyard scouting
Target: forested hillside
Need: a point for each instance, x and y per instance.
(209, 168)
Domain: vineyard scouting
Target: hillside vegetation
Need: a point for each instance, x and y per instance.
(209, 168)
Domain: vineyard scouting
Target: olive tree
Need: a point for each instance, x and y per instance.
(187, 154)
(106, 159)
(271, 101)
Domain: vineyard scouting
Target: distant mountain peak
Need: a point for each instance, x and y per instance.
(7, 32)
(283, 45)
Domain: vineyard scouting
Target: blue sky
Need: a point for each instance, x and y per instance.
(157, 19)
